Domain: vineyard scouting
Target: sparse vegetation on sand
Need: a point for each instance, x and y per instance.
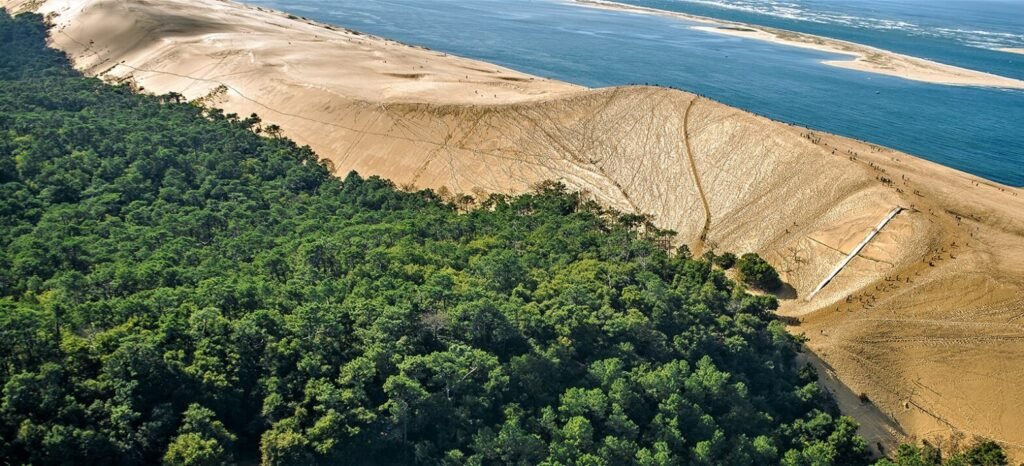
(756, 272)
(982, 453)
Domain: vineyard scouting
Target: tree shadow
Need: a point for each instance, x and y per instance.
(786, 292)
(881, 431)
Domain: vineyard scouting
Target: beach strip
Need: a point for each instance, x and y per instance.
(862, 57)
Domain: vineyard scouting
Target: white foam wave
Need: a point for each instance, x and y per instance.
(797, 11)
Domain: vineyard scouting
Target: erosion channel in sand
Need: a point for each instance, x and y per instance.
(927, 321)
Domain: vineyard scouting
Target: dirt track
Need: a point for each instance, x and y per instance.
(699, 249)
(928, 320)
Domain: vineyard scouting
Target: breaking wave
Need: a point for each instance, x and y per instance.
(800, 12)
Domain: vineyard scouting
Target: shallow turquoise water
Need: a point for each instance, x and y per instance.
(977, 130)
(966, 33)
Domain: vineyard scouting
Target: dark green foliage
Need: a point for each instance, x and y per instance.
(201, 440)
(683, 252)
(175, 288)
(725, 260)
(756, 272)
(983, 453)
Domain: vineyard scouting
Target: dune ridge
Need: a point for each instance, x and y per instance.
(926, 320)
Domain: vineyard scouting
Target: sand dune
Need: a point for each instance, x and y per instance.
(863, 57)
(928, 320)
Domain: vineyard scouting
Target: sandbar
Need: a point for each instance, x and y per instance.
(862, 57)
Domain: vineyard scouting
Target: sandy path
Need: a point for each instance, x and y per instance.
(699, 249)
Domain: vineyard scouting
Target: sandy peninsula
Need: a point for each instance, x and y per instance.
(927, 321)
(862, 57)
(1013, 50)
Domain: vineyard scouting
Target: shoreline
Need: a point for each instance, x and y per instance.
(864, 58)
(1019, 50)
(378, 69)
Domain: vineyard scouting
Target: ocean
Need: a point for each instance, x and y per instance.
(977, 130)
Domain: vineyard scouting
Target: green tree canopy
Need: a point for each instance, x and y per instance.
(757, 272)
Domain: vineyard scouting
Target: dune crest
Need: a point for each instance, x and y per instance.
(927, 321)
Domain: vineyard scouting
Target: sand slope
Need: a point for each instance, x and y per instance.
(928, 320)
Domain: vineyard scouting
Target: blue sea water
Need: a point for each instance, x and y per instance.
(978, 130)
(967, 33)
